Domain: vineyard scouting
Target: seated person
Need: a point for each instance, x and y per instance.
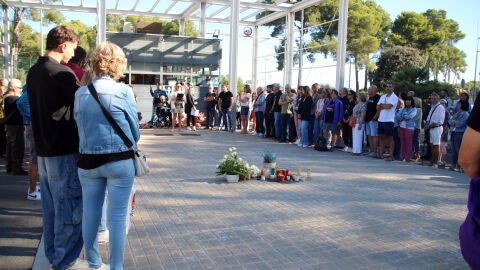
(163, 109)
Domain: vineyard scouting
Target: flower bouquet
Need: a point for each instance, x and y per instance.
(231, 164)
(269, 160)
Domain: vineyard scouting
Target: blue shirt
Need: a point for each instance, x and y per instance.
(24, 107)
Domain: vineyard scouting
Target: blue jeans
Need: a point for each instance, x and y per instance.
(311, 139)
(285, 123)
(62, 209)
(278, 124)
(117, 178)
(259, 127)
(317, 128)
(304, 132)
(226, 114)
(210, 117)
(456, 142)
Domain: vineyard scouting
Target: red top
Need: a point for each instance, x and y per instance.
(78, 71)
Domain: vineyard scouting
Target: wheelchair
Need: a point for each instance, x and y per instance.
(163, 117)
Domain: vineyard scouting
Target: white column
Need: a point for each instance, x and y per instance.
(203, 9)
(41, 32)
(255, 58)
(101, 21)
(6, 43)
(234, 54)
(289, 49)
(234, 46)
(181, 28)
(342, 43)
(300, 52)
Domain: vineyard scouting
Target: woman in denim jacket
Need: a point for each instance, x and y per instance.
(406, 119)
(105, 162)
(458, 123)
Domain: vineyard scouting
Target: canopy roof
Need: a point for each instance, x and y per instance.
(217, 11)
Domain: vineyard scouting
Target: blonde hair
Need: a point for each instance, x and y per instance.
(109, 59)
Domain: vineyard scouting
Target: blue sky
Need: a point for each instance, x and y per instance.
(465, 12)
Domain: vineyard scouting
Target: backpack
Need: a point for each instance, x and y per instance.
(321, 144)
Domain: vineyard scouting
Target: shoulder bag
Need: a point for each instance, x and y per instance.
(141, 166)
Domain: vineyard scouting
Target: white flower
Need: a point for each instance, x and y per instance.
(240, 159)
(225, 157)
(234, 148)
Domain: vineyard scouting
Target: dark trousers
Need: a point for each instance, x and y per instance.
(292, 131)
(259, 128)
(285, 123)
(311, 123)
(3, 140)
(398, 144)
(269, 124)
(416, 141)
(191, 119)
(210, 117)
(456, 143)
(15, 149)
(347, 135)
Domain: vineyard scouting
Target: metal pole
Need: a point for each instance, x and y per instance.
(41, 32)
(6, 43)
(342, 43)
(181, 28)
(235, 11)
(289, 49)
(203, 9)
(101, 21)
(300, 51)
(254, 58)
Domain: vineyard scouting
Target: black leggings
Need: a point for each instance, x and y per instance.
(192, 119)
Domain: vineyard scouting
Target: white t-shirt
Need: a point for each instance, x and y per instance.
(244, 96)
(388, 115)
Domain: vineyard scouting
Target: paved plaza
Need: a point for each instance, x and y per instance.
(355, 213)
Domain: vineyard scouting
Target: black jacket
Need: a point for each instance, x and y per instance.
(50, 87)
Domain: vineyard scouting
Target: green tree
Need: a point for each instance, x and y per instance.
(392, 60)
(87, 34)
(115, 22)
(435, 36)
(410, 78)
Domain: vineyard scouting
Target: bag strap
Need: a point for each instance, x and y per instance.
(109, 117)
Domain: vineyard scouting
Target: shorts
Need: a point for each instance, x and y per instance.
(31, 143)
(244, 110)
(435, 135)
(330, 126)
(385, 128)
(371, 128)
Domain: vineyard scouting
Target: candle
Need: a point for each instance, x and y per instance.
(309, 172)
(299, 171)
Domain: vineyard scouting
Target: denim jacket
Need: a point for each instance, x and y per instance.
(459, 121)
(407, 116)
(95, 132)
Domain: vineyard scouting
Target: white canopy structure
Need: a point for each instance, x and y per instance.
(233, 12)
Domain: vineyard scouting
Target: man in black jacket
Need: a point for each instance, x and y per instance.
(51, 94)
(14, 129)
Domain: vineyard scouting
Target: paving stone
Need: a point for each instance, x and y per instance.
(355, 212)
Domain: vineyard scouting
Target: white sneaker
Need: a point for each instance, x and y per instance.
(34, 196)
(345, 149)
(103, 236)
(80, 264)
(194, 128)
(189, 128)
(102, 267)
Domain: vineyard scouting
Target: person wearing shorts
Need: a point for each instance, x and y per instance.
(371, 117)
(387, 105)
(434, 126)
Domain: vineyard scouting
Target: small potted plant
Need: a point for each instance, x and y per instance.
(232, 166)
(269, 160)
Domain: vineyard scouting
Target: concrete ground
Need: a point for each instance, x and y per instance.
(355, 213)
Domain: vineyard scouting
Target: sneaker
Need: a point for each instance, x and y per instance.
(189, 128)
(80, 264)
(102, 267)
(103, 236)
(255, 133)
(457, 169)
(34, 196)
(345, 149)
(305, 145)
(297, 142)
(194, 129)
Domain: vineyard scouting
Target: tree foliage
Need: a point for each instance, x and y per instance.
(392, 60)
(88, 34)
(168, 27)
(435, 36)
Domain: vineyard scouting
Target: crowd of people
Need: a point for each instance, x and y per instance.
(387, 126)
(77, 159)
